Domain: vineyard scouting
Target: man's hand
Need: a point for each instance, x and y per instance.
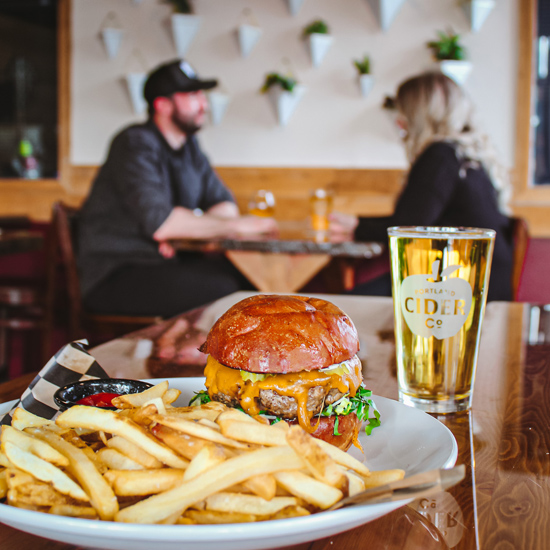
(184, 223)
(224, 209)
(246, 225)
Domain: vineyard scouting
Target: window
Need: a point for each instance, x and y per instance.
(28, 89)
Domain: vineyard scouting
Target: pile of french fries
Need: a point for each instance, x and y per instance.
(152, 462)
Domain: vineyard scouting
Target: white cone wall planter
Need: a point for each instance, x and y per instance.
(184, 29)
(284, 102)
(366, 82)
(135, 82)
(385, 11)
(248, 38)
(319, 45)
(295, 6)
(218, 104)
(112, 38)
(456, 69)
(477, 12)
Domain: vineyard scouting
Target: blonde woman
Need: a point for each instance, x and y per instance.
(453, 180)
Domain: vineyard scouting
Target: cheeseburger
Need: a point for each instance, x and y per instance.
(292, 358)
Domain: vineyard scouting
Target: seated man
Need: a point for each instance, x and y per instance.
(157, 184)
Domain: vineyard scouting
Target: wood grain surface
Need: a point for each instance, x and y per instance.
(504, 441)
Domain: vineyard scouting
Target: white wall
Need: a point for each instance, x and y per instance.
(333, 126)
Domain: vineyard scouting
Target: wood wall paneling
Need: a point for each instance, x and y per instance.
(366, 192)
(529, 201)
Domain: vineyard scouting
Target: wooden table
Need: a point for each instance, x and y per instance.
(504, 441)
(287, 260)
(16, 241)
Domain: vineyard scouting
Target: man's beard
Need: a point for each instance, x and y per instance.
(188, 127)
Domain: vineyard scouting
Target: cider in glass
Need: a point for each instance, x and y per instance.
(262, 204)
(440, 277)
(320, 203)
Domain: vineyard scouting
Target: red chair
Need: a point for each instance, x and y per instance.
(22, 311)
(534, 280)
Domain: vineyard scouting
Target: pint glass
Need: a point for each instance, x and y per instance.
(440, 277)
(320, 202)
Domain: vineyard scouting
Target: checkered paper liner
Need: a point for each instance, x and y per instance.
(72, 363)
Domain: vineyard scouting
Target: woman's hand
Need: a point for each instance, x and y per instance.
(166, 250)
(342, 223)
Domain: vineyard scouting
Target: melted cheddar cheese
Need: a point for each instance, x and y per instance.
(226, 380)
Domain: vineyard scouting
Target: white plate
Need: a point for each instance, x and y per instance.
(408, 438)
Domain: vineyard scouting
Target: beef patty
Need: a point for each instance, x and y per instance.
(286, 407)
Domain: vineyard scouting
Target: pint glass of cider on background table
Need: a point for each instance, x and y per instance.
(440, 278)
(320, 207)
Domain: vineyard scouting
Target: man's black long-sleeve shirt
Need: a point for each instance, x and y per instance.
(135, 190)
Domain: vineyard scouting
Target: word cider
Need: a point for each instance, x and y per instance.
(439, 298)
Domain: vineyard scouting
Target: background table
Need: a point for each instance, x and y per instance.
(287, 260)
(504, 441)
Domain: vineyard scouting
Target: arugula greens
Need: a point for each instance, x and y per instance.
(361, 404)
(201, 397)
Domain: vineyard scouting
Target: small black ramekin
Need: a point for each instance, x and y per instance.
(67, 396)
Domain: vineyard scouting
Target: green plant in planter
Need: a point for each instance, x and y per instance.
(317, 27)
(362, 65)
(287, 83)
(181, 6)
(447, 47)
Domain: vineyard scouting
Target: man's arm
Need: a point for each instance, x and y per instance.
(184, 223)
(225, 209)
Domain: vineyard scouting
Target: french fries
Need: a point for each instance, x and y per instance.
(317, 461)
(43, 470)
(3, 484)
(253, 432)
(133, 400)
(220, 477)
(151, 462)
(23, 419)
(85, 471)
(308, 488)
(30, 444)
(127, 483)
(108, 421)
(133, 452)
(248, 504)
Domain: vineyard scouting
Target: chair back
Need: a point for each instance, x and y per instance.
(520, 241)
(62, 254)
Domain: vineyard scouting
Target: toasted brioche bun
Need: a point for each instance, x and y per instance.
(280, 334)
(348, 427)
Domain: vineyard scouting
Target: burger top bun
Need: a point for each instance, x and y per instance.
(280, 334)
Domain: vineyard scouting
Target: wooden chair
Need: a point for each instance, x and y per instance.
(520, 240)
(81, 323)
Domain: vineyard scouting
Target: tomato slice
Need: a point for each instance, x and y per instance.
(98, 400)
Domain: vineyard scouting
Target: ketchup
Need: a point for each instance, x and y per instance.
(98, 400)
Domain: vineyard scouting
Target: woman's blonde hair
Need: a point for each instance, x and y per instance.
(437, 109)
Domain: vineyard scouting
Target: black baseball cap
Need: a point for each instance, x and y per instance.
(176, 76)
